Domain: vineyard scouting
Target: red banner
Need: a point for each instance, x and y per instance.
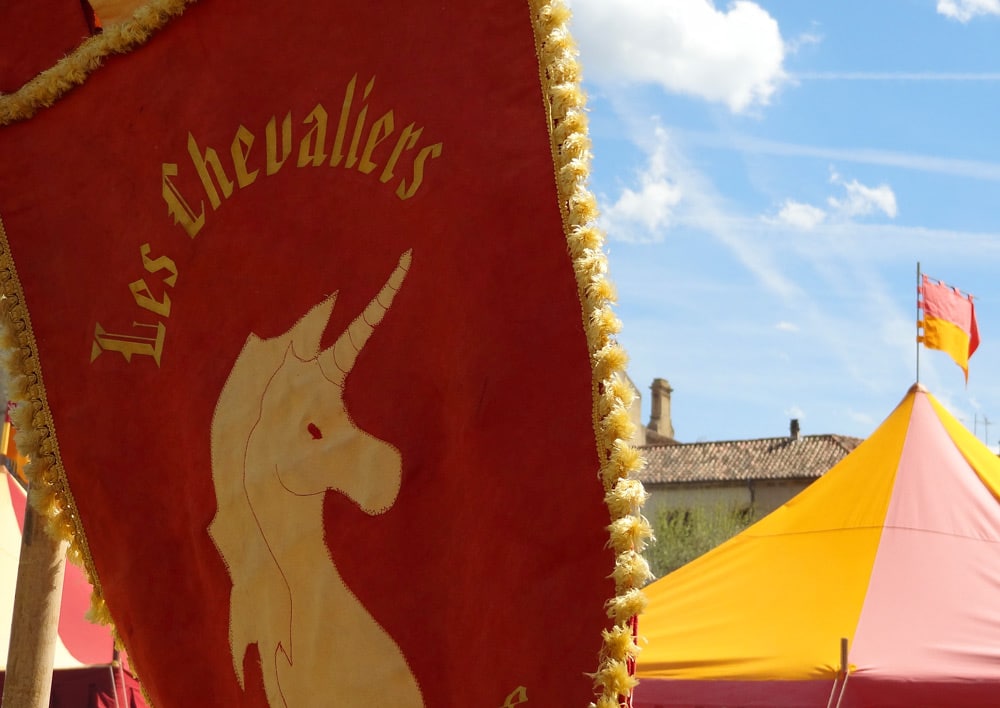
(305, 357)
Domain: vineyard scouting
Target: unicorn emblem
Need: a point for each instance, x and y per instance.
(282, 438)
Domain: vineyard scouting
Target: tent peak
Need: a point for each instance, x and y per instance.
(918, 388)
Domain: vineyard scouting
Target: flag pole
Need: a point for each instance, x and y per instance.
(918, 321)
(34, 626)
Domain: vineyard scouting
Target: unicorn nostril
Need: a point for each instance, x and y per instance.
(314, 431)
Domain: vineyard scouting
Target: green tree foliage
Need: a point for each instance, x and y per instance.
(684, 534)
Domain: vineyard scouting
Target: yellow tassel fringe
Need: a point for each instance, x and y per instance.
(48, 492)
(618, 643)
(73, 69)
(612, 396)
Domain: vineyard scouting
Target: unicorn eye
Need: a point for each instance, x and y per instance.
(314, 431)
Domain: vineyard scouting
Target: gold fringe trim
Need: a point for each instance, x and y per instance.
(49, 491)
(73, 69)
(629, 531)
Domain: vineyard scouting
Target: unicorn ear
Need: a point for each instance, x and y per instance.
(308, 331)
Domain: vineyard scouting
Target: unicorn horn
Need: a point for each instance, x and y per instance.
(338, 360)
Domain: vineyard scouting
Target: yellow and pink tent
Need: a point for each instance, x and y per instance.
(877, 586)
(87, 669)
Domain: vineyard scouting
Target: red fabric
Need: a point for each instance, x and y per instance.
(490, 569)
(94, 687)
(631, 662)
(88, 642)
(35, 35)
(946, 303)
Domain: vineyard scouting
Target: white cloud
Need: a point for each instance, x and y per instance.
(733, 56)
(965, 10)
(829, 280)
(861, 200)
(642, 213)
(800, 216)
(803, 40)
(786, 327)
(650, 206)
(698, 206)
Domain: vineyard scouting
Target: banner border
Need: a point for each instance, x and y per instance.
(74, 68)
(612, 395)
(48, 489)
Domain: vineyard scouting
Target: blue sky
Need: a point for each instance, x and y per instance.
(769, 174)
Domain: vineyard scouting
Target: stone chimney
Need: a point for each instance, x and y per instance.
(659, 415)
(793, 429)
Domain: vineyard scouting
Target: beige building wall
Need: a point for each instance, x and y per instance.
(770, 495)
(764, 496)
(693, 497)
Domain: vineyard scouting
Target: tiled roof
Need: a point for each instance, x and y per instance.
(807, 457)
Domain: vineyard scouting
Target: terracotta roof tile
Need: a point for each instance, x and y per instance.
(807, 457)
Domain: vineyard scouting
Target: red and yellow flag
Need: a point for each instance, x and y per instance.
(312, 331)
(949, 321)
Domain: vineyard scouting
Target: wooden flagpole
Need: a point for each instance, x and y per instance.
(35, 624)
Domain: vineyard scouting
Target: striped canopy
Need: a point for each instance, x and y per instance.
(896, 550)
(87, 670)
(80, 642)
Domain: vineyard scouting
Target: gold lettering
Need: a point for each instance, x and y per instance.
(140, 290)
(271, 143)
(432, 151)
(407, 140)
(314, 153)
(240, 151)
(129, 344)
(517, 697)
(161, 263)
(383, 125)
(144, 298)
(176, 206)
(367, 150)
(359, 126)
(201, 163)
(345, 110)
